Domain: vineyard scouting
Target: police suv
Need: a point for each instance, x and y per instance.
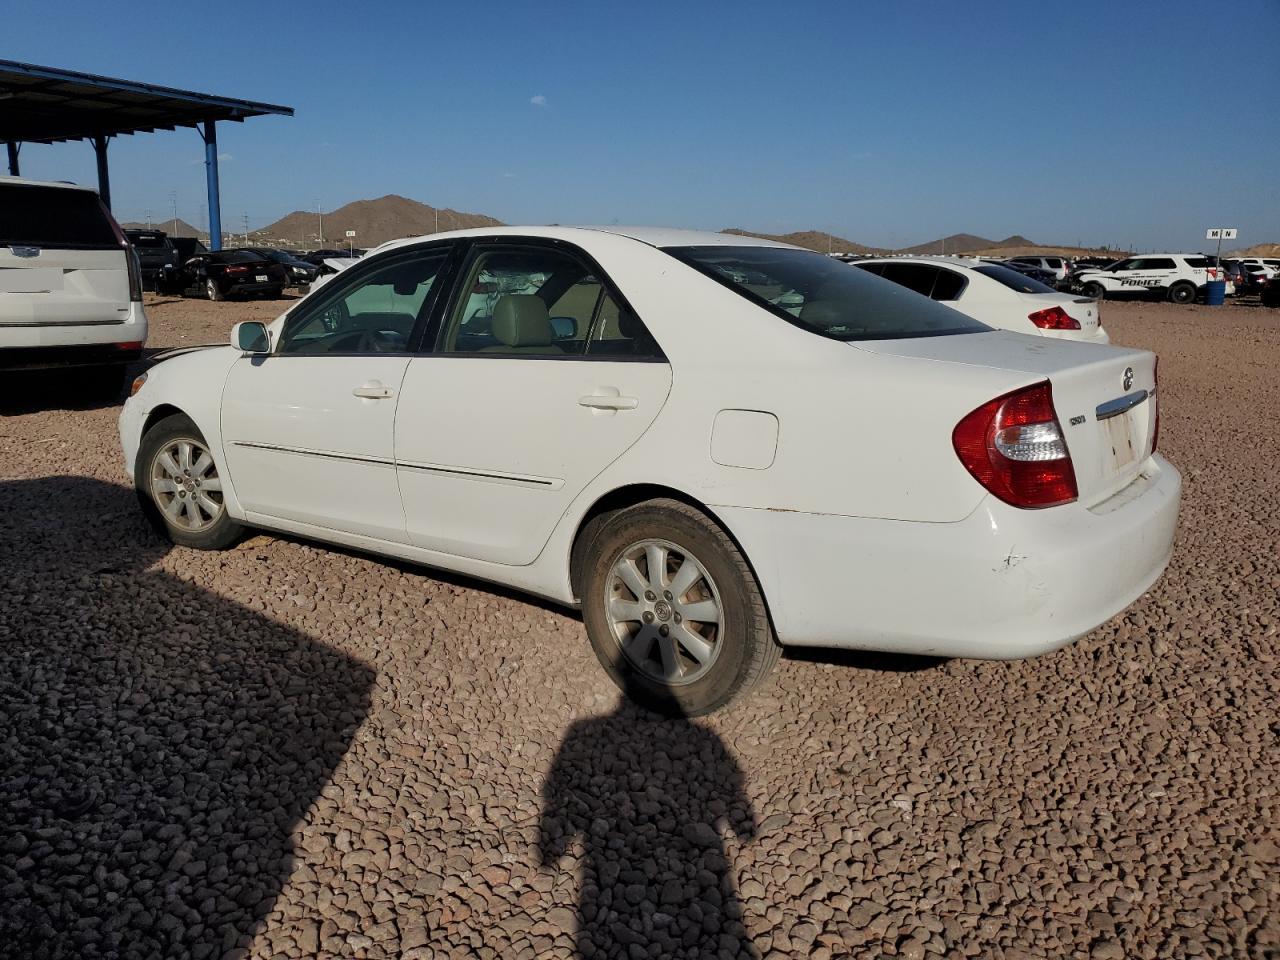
(1178, 277)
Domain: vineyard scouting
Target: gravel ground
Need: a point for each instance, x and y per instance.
(284, 750)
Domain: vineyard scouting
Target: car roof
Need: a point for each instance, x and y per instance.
(27, 182)
(967, 263)
(653, 236)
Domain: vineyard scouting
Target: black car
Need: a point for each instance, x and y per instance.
(299, 272)
(318, 257)
(1047, 277)
(220, 274)
(187, 248)
(1271, 293)
(157, 257)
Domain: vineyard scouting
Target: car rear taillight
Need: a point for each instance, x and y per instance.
(1155, 404)
(1054, 318)
(237, 269)
(132, 264)
(135, 274)
(1014, 447)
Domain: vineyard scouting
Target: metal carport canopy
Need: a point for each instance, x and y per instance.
(48, 105)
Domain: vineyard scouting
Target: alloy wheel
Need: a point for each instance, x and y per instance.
(665, 611)
(186, 486)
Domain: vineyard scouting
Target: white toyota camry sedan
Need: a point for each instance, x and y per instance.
(713, 445)
(996, 295)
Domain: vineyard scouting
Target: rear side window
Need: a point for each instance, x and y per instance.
(822, 295)
(54, 217)
(948, 285)
(914, 276)
(1198, 263)
(1055, 262)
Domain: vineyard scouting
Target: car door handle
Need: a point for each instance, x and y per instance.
(602, 401)
(373, 390)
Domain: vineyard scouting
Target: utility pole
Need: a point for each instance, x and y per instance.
(244, 220)
(173, 199)
(320, 214)
(148, 219)
(437, 213)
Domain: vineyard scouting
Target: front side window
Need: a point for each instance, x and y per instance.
(373, 313)
(822, 295)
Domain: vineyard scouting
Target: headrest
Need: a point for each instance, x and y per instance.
(521, 320)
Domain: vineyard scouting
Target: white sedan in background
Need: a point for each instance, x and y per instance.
(995, 295)
(714, 445)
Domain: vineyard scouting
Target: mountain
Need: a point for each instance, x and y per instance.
(966, 243)
(813, 239)
(374, 221)
(1260, 250)
(183, 229)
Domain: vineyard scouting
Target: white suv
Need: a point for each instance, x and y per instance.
(1060, 267)
(70, 287)
(1178, 277)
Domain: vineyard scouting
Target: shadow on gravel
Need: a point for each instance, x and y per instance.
(33, 391)
(864, 659)
(639, 799)
(157, 743)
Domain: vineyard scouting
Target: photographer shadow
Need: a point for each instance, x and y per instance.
(640, 801)
(159, 743)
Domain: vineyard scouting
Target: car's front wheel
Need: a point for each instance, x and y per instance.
(180, 488)
(1095, 290)
(673, 611)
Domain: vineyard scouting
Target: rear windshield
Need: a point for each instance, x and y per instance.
(1012, 279)
(54, 217)
(235, 256)
(825, 296)
(149, 240)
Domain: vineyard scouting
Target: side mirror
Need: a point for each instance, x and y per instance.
(564, 328)
(249, 336)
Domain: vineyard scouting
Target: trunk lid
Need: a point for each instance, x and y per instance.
(1103, 395)
(40, 287)
(1084, 310)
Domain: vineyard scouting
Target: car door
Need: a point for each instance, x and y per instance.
(540, 376)
(1152, 273)
(308, 430)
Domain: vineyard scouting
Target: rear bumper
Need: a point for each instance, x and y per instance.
(36, 347)
(243, 289)
(1002, 584)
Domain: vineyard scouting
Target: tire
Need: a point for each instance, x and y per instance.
(712, 663)
(212, 292)
(1182, 293)
(213, 528)
(1095, 290)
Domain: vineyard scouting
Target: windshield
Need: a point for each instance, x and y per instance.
(825, 296)
(1013, 279)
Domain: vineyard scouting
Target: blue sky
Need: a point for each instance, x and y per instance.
(887, 123)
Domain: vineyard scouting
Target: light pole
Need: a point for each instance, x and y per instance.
(173, 199)
(148, 219)
(320, 214)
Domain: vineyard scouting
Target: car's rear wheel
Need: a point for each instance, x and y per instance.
(1182, 293)
(212, 291)
(1095, 290)
(179, 486)
(673, 611)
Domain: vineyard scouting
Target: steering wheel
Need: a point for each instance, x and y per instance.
(380, 341)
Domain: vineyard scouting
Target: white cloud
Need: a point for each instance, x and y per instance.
(538, 100)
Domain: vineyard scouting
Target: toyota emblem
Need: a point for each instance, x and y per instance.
(1128, 377)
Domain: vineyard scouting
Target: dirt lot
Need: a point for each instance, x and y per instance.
(285, 750)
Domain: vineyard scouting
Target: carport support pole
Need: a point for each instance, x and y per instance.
(210, 134)
(13, 159)
(104, 175)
